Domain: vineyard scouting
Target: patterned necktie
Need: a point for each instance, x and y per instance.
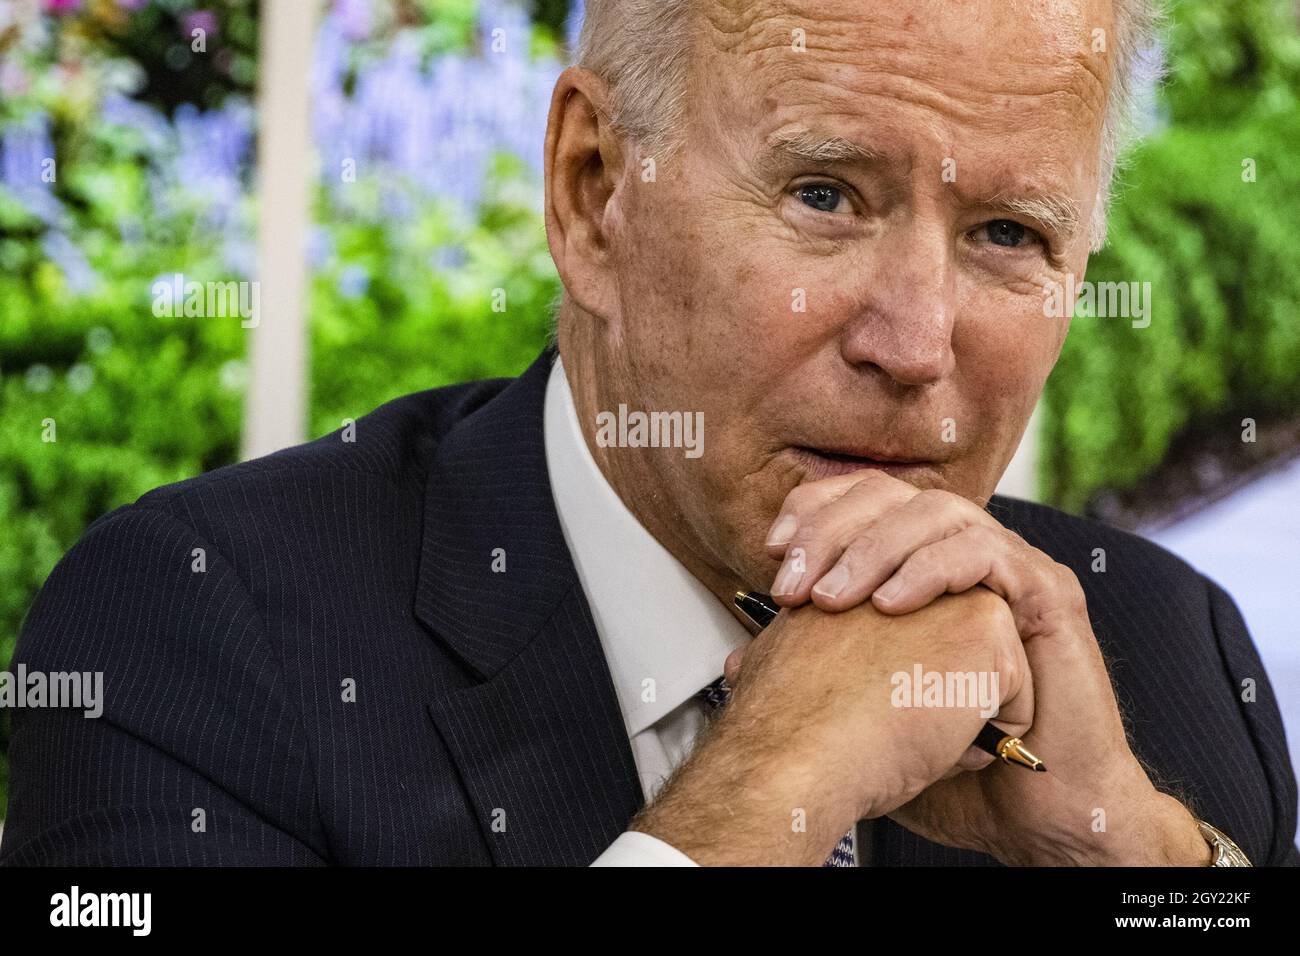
(715, 696)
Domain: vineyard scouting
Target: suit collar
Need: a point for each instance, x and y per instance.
(539, 743)
(488, 507)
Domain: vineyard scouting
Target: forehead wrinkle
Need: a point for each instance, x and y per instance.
(874, 121)
(899, 63)
(733, 27)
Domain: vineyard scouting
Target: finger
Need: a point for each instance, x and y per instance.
(955, 564)
(731, 666)
(1037, 589)
(879, 549)
(807, 499)
(1015, 714)
(974, 759)
(822, 535)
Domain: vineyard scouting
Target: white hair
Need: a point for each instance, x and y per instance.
(641, 48)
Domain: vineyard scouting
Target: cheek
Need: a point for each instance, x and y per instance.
(1005, 348)
(1003, 327)
(727, 316)
(714, 267)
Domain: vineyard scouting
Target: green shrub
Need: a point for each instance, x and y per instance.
(1225, 289)
(425, 317)
(1220, 254)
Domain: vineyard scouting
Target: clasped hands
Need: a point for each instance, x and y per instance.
(877, 577)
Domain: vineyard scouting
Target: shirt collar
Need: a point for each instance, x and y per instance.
(665, 635)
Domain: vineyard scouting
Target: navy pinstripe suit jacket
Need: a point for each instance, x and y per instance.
(484, 728)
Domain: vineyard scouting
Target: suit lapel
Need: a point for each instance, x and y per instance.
(540, 741)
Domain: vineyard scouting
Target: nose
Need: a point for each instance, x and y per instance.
(906, 303)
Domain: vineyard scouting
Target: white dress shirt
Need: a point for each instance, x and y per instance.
(664, 634)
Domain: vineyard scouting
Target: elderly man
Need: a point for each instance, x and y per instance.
(488, 626)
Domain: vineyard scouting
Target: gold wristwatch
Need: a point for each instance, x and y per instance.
(1226, 853)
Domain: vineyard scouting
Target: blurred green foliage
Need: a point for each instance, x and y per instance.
(1219, 250)
(407, 304)
(157, 39)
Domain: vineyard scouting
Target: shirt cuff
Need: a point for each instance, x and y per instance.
(641, 849)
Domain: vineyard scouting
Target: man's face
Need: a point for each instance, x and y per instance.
(881, 304)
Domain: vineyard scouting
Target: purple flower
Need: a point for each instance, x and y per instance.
(13, 80)
(62, 6)
(353, 282)
(448, 258)
(204, 20)
(26, 154)
(354, 18)
(320, 246)
(61, 250)
(428, 130)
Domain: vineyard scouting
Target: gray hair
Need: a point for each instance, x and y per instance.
(641, 48)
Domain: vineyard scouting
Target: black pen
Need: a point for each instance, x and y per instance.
(993, 740)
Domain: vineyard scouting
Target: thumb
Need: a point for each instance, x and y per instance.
(731, 666)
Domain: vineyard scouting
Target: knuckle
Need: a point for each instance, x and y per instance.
(983, 603)
(1067, 584)
(1012, 668)
(992, 613)
(933, 498)
(807, 537)
(938, 498)
(798, 499)
(874, 486)
(979, 622)
(925, 564)
(946, 507)
(995, 632)
(1010, 537)
(861, 549)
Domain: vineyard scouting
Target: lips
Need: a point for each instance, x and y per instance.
(826, 463)
(869, 456)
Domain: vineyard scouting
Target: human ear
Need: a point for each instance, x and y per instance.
(584, 163)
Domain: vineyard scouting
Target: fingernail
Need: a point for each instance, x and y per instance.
(783, 532)
(787, 580)
(833, 583)
(889, 590)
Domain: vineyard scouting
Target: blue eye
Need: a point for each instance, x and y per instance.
(820, 196)
(1004, 232)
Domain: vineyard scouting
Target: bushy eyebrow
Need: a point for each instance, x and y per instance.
(1057, 214)
(802, 144)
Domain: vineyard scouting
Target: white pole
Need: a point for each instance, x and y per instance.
(275, 411)
(1020, 480)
